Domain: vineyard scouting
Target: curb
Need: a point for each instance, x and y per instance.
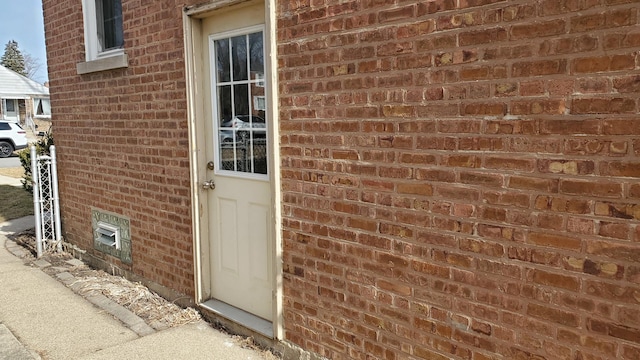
(11, 348)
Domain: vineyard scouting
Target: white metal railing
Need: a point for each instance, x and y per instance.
(46, 203)
(30, 124)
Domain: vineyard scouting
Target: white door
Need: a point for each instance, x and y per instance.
(11, 109)
(240, 205)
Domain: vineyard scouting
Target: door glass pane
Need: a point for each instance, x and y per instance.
(241, 99)
(256, 65)
(11, 106)
(239, 57)
(226, 132)
(259, 142)
(242, 137)
(222, 58)
(225, 108)
(256, 59)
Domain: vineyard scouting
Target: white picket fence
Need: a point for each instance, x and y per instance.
(46, 204)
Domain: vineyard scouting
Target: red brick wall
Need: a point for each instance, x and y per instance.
(461, 178)
(122, 137)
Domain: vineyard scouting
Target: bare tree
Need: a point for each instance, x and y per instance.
(21, 62)
(31, 65)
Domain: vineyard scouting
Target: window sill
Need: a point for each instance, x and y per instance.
(109, 63)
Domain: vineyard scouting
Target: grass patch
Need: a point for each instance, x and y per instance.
(15, 202)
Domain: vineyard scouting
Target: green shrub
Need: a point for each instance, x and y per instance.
(42, 147)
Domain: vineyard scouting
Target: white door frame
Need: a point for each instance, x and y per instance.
(194, 53)
(16, 107)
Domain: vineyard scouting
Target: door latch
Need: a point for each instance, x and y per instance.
(211, 165)
(208, 185)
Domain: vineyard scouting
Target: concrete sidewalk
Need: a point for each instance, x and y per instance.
(6, 180)
(40, 318)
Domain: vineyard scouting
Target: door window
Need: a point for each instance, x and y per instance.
(241, 126)
(11, 106)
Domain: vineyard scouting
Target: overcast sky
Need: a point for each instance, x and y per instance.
(21, 20)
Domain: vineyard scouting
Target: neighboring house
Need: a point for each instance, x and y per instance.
(432, 180)
(22, 97)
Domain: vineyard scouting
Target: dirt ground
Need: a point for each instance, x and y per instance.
(152, 308)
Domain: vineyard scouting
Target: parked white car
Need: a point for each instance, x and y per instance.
(240, 126)
(12, 137)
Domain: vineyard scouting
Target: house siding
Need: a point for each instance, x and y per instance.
(460, 178)
(122, 138)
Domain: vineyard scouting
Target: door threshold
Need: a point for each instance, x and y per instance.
(241, 317)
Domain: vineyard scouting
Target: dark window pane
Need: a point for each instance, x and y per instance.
(241, 99)
(239, 57)
(256, 54)
(109, 20)
(259, 149)
(244, 154)
(225, 109)
(222, 55)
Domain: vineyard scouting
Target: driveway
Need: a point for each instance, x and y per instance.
(10, 162)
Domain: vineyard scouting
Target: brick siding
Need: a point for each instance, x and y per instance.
(461, 178)
(122, 137)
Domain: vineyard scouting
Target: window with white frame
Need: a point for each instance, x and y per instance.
(103, 30)
(42, 107)
(259, 103)
(238, 111)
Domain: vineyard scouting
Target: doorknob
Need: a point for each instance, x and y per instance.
(208, 185)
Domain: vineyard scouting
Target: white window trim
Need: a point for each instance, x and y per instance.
(94, 59)
(35, 107)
